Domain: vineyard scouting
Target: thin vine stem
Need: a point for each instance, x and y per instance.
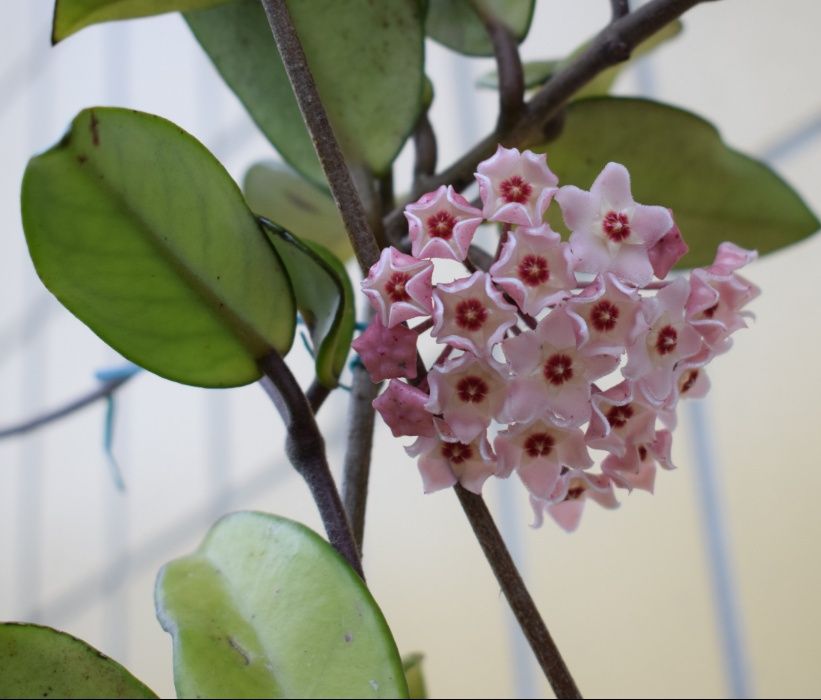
(327, 147)
(514, 589)
(305, 448)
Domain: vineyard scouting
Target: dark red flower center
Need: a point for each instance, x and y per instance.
(533, 270)
(515, 189)
(558, 369)
(616, 226)
(456, 452)
(709, 313)
(575, 493)
(618, 416)
(642, 452)
(689, 379)
(539, 445)
(471, 314)
(472, 389)
(395, 287)
(666, 340)
(603, 316)
(441, 224)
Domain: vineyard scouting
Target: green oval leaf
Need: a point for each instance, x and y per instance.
(324, 297)
(457, 24)
(40, 662)
(267, 608)
(277, 193)
(366, 58)
(141, 233)
(678, 160)
(71, 16)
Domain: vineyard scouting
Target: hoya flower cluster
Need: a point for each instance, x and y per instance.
(559, 348)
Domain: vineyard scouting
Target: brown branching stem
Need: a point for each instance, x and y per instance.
(514, 589)
(611, 46)
(305, 448)
(508, 67)
(327, 148)
(358, 455)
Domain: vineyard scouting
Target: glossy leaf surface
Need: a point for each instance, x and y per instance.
(266, 608)
(366, 58)
(40, 662)
(141, 233)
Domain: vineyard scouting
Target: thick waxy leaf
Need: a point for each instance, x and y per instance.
(324, 297)
(141, 233)
(40, 662)
(537, 72)
(366, 58)
(678, 160)
(458, 25)
(71, 16)
(266, 608)
(274, 191)
(412, 663)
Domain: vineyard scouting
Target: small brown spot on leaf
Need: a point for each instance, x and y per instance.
(81, 158)
(237, 648)
(95, 130)
(348, 637)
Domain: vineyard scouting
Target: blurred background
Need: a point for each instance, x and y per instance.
(657, 599)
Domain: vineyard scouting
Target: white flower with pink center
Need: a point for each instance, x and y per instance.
(717, 295)
(515, 187)
(663, 338)
(610, 232)
(535, 268)
(442, 464)
(552, 375)
(441, 224)
(538, 452)
(567, 502)
(471, 314)
(609, 309)
(399, 287)
(468, 392)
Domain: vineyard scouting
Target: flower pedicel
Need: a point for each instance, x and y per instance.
(534, 349)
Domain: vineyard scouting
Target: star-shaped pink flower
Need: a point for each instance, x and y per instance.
(636, 469)
(662, 339)
(387, 352)
(402, 407)
(552, 373)
(717, 295)
(538, 452)
(471, 314)
(468, 392)
(441, 224)
(516, 188)
(608, 308)
(567, 503)
(399, 287)
(442, 464)
(610, 232)
(535, 268)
